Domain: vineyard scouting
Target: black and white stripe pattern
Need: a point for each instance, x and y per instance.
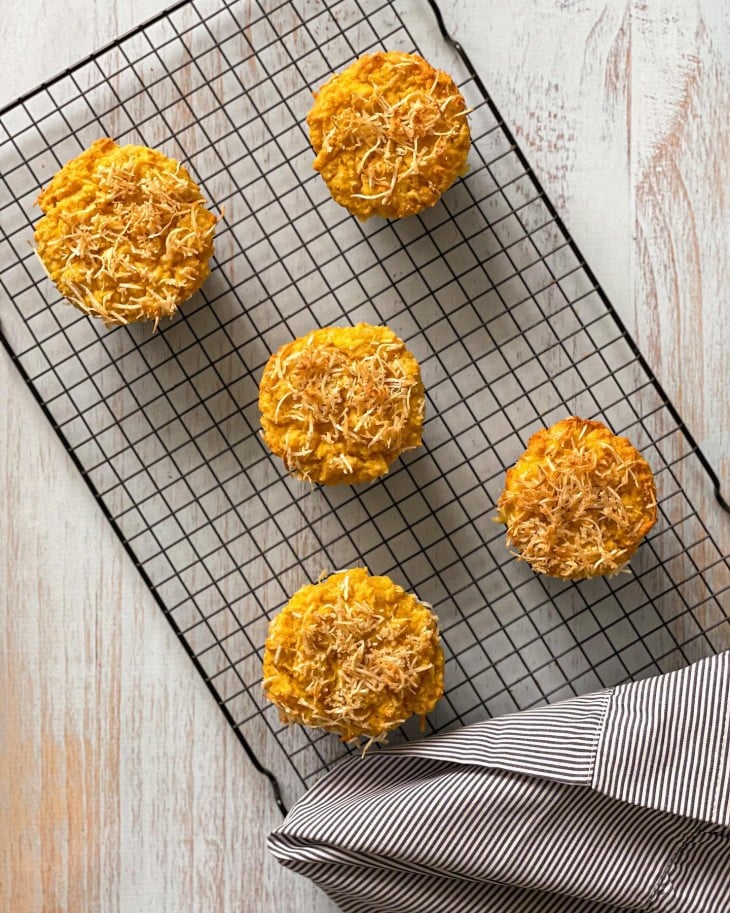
(563, 740)
(667, 741)
(613, 801)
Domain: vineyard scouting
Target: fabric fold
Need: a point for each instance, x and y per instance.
(666, 742)
(576, 806)
(555, 741)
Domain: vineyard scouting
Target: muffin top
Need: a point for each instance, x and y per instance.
(578, 501)
(390, 134)
(340, 404)
(355, 655)
(126, 234)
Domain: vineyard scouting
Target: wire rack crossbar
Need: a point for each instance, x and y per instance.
(512, 329)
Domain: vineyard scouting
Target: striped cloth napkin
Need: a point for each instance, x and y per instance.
(618, 800)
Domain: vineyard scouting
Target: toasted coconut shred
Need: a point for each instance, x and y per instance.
(354, 655)
(340, 404)
(390, 134)
(390, 137)
(126, 234)
(579, 501)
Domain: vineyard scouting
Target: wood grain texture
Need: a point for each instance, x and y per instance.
(618, 106)
(122, 787)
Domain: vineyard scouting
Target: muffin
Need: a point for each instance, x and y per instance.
(390, 134)
(340, 404)
(126, 235)
(578, 501)
(355, 655)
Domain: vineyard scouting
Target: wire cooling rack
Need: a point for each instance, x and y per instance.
(511, 328)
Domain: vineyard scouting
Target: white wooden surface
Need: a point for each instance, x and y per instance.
(121, 788)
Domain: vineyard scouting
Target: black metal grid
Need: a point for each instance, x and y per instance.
(488, 290)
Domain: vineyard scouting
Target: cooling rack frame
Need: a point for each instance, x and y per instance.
(555, 220)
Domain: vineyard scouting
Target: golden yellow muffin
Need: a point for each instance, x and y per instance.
(390, 134)
(355, 655)
(126, 235)
(340, 404)
(578, 501)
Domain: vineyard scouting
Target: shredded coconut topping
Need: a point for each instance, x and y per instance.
(352, 660)
(328, 387)
(396, 139)
(579, 508)
(341, 404)
(390, 134)
(140, 243)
